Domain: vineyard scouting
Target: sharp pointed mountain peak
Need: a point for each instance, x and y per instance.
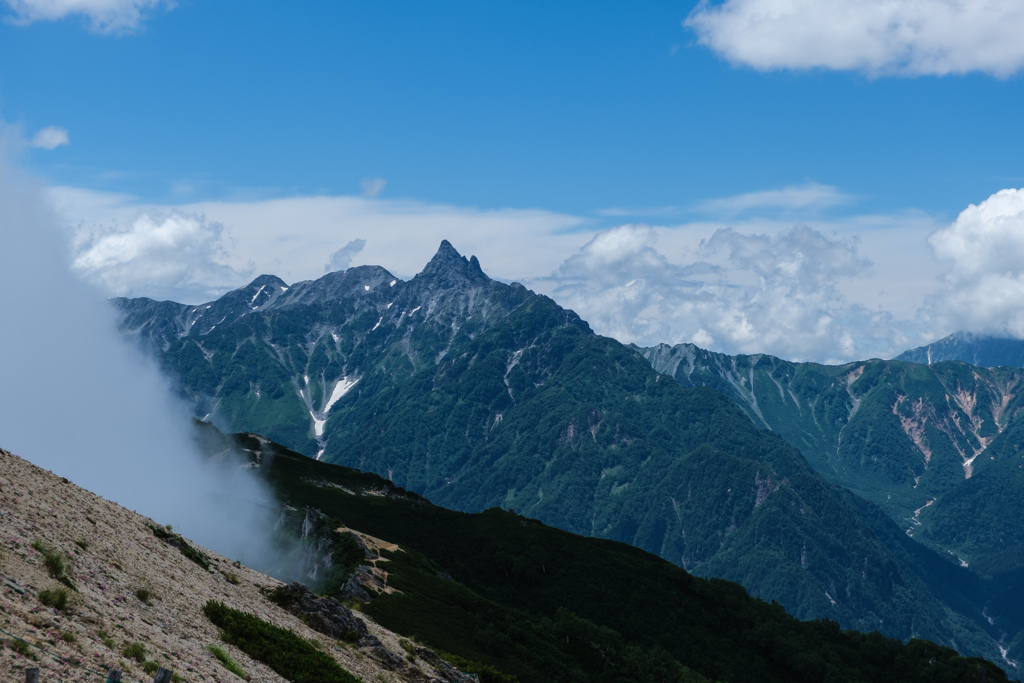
(448, 261)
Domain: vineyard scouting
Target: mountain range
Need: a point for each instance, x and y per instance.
(984, 351)
(935, 446)
(480, 394)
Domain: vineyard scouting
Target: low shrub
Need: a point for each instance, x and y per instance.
(144, 595)
(292, 657)
(167, 536)
(55, 563)
(136, 651)
(56, 598)
(67, 637)
(106, 639)
(486, 672)
(22, 648)
(227, 661)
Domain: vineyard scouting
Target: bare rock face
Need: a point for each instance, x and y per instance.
(330, 617)
(326, 615)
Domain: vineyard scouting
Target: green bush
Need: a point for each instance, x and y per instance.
(144, 595)
(55, 564)
(167, 536)
(56, 598)
(290, 656)
(22, 648)
(487, 673)
(150, 667)
(347, 555)
(228, 661)
(67, 637)
(106, 639)
(136, 651)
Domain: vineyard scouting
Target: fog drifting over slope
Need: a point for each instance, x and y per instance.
(76, 399)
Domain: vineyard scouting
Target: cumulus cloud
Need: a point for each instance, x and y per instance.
(292, 237)
(104, 16)
(738, 293)
(341, 259)
(175, 256)
(51, 137)
(906, 37)
(984, 252)
(761, 286)
(807, 196)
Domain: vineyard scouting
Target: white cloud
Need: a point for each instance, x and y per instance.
(737, 293)
(984, 251)
(807, 196)
(372, 187)
(292, 237)
(341, 259)
(157, 256)
(906, 37)
(51, 137)
(104, 16)
(760, 285)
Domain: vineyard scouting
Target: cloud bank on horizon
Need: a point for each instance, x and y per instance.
(802, 290)
(908, 37)
(743, 293)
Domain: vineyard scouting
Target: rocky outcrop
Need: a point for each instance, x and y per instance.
(330, 617)
(326, 615)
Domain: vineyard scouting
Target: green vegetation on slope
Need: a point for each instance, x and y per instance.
(896, 433)
(496, 587)
(280, 649)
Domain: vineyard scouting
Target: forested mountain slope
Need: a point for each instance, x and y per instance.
(911, 438)
(545, 605)
(479, 394)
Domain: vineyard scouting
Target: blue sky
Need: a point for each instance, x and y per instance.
(554, 120)
(569, 108)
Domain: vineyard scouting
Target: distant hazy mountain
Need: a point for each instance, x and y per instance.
(478, 394)
(980, 350)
